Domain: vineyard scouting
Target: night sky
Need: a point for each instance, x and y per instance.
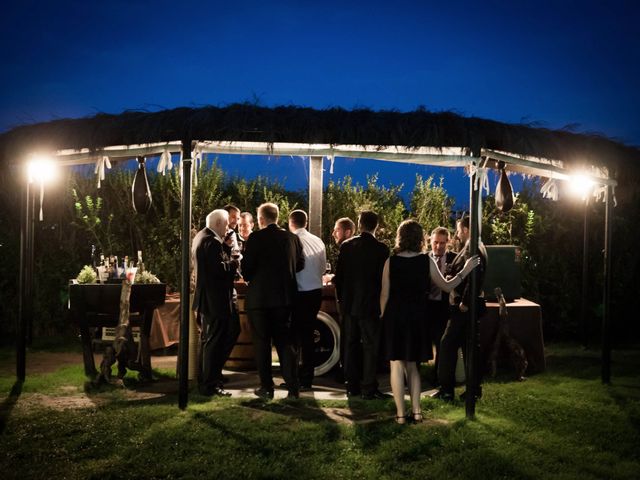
(555, 64)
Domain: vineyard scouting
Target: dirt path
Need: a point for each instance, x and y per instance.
(42, 362)
(47, 362)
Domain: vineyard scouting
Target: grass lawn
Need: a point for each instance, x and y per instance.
(560, 424)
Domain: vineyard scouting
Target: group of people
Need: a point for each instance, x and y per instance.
(398, 306)
(283, 269)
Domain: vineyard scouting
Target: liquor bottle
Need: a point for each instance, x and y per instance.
(94, 257)
(124, 267)
(113, 271)
(140, 263)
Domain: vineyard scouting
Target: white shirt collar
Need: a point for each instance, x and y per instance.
(216, 236)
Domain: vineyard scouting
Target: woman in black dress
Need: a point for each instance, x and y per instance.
(406, 282)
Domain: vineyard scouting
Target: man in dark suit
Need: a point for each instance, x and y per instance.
(272, 256)
(358, 281)
(455, 333)
(213, 301)
(438, 304)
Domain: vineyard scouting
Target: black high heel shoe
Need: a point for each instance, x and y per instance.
(418, 417)
(401, 420)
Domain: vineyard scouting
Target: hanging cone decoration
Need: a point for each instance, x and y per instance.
(504, 191)
(140, 190)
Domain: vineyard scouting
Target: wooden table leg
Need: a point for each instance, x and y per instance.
(145, 350)
(87, 351)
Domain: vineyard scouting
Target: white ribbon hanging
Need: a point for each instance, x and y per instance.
(331, 159)
(550, 189)
(165, 162)
(481, 180)
(600, 192)
(101, 163)
(196, 155)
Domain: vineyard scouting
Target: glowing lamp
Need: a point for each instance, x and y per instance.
(581, 185)
(41, 170)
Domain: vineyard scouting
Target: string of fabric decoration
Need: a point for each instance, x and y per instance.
(165, 162)
(331, 159)
(101, 163)
(600, 192)
(550, 189)
(481, 180)
(197, 160)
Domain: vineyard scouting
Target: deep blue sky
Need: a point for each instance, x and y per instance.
(554, 63)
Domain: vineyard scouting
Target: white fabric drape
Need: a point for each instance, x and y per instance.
(550, 189)
(101, 163)
(165, 162)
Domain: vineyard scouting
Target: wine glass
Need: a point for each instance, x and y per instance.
(327, 268)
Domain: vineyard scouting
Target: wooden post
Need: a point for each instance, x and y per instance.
(315, 195)
(606, 295)
(185, 287)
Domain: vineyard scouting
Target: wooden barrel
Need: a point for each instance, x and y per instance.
(242, 356)
(327, 334)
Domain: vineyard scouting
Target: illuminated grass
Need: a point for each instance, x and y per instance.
(560, 424)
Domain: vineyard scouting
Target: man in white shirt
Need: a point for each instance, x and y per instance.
(309, 296)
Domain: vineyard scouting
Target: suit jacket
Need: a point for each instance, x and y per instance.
(358, 277)
(272, 256)
(461, 292)
(214, 275)
(449, 256)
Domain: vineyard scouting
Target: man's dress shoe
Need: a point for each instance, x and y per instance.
(262, 392)
(375, 395)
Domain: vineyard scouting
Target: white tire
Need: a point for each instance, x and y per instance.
(326, 341)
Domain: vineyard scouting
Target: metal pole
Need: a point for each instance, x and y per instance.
(473, 338)
(30, 267)
(21, 351)
(185, 287)
(606, 296)
(585, 275)
(315, 195)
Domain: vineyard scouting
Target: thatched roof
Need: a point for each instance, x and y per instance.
(335, 126)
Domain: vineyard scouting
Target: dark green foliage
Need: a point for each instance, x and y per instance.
(430, 204)
(344, 199)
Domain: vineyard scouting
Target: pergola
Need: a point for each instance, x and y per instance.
(419, 137)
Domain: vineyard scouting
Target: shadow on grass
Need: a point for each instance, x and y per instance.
(587, 364)
(304, 409)
(131, 391)
(377, 419)
(7, 405)
(627, 404)
(560, 456)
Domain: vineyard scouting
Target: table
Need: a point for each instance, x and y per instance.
(165, 325)
(98, 305)
(524, 317)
